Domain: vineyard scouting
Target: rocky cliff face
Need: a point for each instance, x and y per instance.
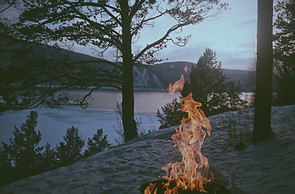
(143, 78)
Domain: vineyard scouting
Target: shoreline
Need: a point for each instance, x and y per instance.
(263, 168)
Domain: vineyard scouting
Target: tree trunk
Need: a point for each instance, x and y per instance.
(264, 69)
(129, 125)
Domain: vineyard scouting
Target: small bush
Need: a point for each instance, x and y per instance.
(171, 114)
(97, 144)
(70, 151)
(239, 134)
(49, 160)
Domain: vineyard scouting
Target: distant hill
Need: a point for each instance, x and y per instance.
(156, 76)
(11, 50)
(169, 72)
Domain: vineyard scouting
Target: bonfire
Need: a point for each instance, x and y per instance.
(191, 175)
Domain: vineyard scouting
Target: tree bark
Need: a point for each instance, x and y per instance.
(264, 69)
(129, 124)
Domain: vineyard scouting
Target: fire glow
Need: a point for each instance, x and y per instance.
(191, 173)
(178, 85)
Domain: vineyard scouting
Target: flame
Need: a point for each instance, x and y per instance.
(151, 189)
(192, 172)
(178, 85)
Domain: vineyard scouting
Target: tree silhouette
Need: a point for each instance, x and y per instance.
(23, 157)
(96, 144)
(171, 114)
(24, 145)
(37, 72)
(209, 86)
(284, 52)
(6, 4)
(69, 151)
(264, 69)
(112, 24)
(49, 160)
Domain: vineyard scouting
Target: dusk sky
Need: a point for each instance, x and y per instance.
(232, 34)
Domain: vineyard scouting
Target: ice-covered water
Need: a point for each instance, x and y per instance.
(53, 123)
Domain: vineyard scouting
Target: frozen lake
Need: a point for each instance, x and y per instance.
(144, 101)
(53, 122)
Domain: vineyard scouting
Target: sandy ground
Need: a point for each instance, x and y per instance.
(268, 167)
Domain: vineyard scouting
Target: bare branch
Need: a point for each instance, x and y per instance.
(92, 4)
(163, 38)
(112, 16)
(82, 100)
(50, 91)
(100, 27)
(143, 21)
(43, 97)
(102, 5)
(4, 9)
(108, 78)
(136, 7)
(98, 61)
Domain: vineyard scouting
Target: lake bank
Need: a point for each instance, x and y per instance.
(264, 168)
(100, 113)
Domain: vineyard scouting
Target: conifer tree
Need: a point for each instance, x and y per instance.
(209, 86)
(25, 151)
(22, 157)
(170, 115)
(97, 143)
(284, 52)
(6, 168)
(69, 151)
(49, 160)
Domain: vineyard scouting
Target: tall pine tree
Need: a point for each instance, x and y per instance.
(209, 86)
(284, 51)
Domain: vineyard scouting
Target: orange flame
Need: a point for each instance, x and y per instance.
(192, 172)
(178, 85)
(150, 189)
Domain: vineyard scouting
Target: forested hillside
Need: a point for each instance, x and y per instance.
(156, 76)
(171, 71)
